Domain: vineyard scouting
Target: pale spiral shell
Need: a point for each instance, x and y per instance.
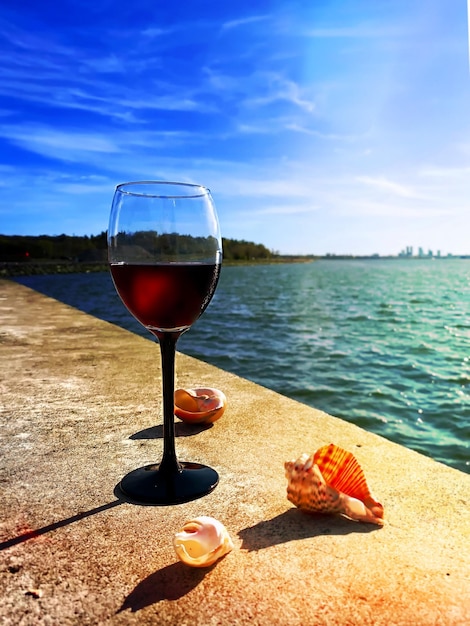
(202, 541)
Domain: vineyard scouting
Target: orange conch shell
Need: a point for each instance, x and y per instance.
(332, 481)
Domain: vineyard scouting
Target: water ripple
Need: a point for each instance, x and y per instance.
(383, 344)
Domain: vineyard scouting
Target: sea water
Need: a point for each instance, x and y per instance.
(382, 343)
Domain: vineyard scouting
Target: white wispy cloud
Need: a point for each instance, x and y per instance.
(379, 208)
(56, 143)
(30, 42)
(104, 99)
(273, 87)
(462, 172)
(290, 209)
(299, 127)
(67, 78)
(110, 64)
(383, 184)
(372, 30)
(84, 188)
(156, 31)
(270, 125)
(244, 21)
(258, 89)
(274, 187)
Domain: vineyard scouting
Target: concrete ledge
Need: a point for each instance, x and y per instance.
(80, 408)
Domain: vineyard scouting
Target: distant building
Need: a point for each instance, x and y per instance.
(407, 252)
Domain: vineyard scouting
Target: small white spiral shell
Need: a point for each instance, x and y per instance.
(202, 541)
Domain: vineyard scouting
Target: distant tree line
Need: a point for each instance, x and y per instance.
(52, 247)
(93, 248)
(241, 250)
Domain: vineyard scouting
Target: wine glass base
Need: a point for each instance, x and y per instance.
(149, 485)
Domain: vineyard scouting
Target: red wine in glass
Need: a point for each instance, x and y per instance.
(165, 253)
(168, 295)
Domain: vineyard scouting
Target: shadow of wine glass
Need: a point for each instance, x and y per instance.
(181, 430)
(169, 583)
(294, 524)
(33, 533)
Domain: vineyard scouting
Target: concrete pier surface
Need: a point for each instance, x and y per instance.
(80, 407)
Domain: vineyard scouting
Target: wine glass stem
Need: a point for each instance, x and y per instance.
(169, 462)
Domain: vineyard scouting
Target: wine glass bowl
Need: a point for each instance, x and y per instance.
(165, 255)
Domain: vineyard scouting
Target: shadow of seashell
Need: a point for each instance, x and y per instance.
(295, 524)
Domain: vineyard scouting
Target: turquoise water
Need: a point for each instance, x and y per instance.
(381, 343)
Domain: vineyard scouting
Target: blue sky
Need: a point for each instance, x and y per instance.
(320, 126)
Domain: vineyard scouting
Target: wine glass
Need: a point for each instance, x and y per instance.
(165, 255)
